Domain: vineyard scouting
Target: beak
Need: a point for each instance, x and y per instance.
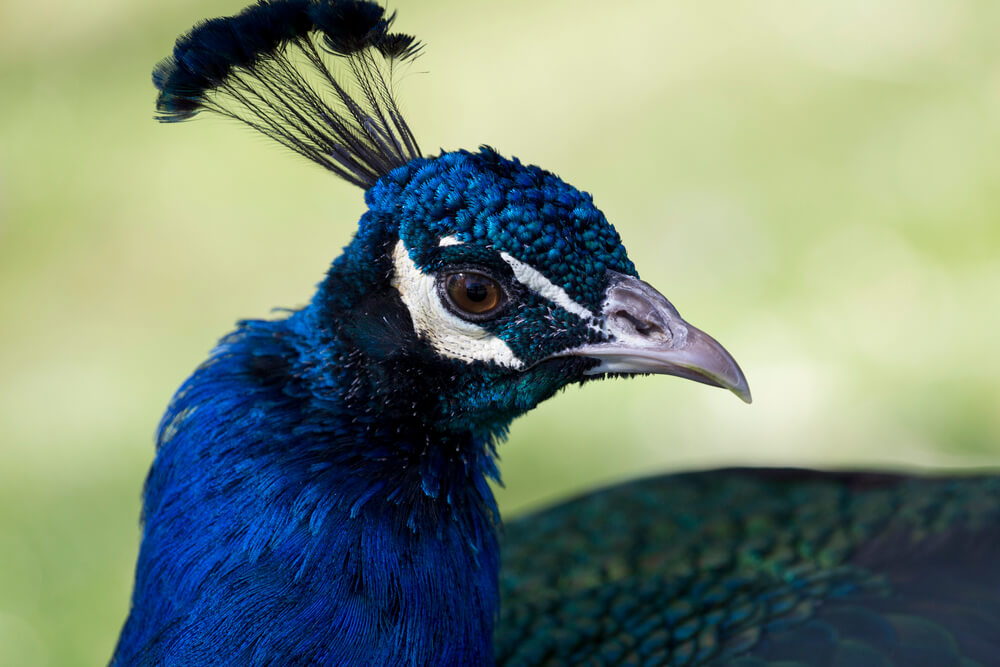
(646, 334)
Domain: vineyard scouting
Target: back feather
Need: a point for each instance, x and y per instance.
(274, 67)
(758, 568)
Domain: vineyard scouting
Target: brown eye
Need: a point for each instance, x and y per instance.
(473, 293)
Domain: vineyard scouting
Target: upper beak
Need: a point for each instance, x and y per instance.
(645, 334)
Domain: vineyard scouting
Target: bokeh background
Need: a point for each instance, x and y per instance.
(817, 184)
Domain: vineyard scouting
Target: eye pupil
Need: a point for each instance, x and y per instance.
(473, 293)
(476, 291)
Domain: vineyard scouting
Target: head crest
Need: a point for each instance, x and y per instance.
(314, 75)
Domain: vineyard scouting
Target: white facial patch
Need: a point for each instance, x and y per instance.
(450, 335)
(449, 240)
(544, 287)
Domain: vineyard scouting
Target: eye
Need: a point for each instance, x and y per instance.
(473, 295)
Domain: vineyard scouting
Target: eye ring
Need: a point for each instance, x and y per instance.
(472, 295)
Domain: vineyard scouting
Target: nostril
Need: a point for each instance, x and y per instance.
(643, 328)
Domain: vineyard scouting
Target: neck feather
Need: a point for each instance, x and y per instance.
(281, 518)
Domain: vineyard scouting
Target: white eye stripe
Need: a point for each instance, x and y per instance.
(450, 335)
(539, 284)
(533, 280)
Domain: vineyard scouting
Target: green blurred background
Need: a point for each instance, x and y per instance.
(817, 184)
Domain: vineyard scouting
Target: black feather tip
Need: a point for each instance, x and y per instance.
(270, 66)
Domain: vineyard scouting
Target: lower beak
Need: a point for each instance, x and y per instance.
(646, 334)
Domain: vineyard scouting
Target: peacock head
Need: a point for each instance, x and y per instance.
(511, 284)
(478, 283)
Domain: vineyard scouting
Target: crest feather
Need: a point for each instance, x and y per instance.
(314, 75)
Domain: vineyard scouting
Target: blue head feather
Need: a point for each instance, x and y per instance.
(523, 210)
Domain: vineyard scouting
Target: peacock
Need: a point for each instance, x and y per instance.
(320, 493)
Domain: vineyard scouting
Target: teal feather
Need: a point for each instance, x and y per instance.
(758, 567)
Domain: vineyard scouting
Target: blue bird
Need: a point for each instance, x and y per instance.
(320, 492)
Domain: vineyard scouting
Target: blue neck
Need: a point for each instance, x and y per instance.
(281, 519)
